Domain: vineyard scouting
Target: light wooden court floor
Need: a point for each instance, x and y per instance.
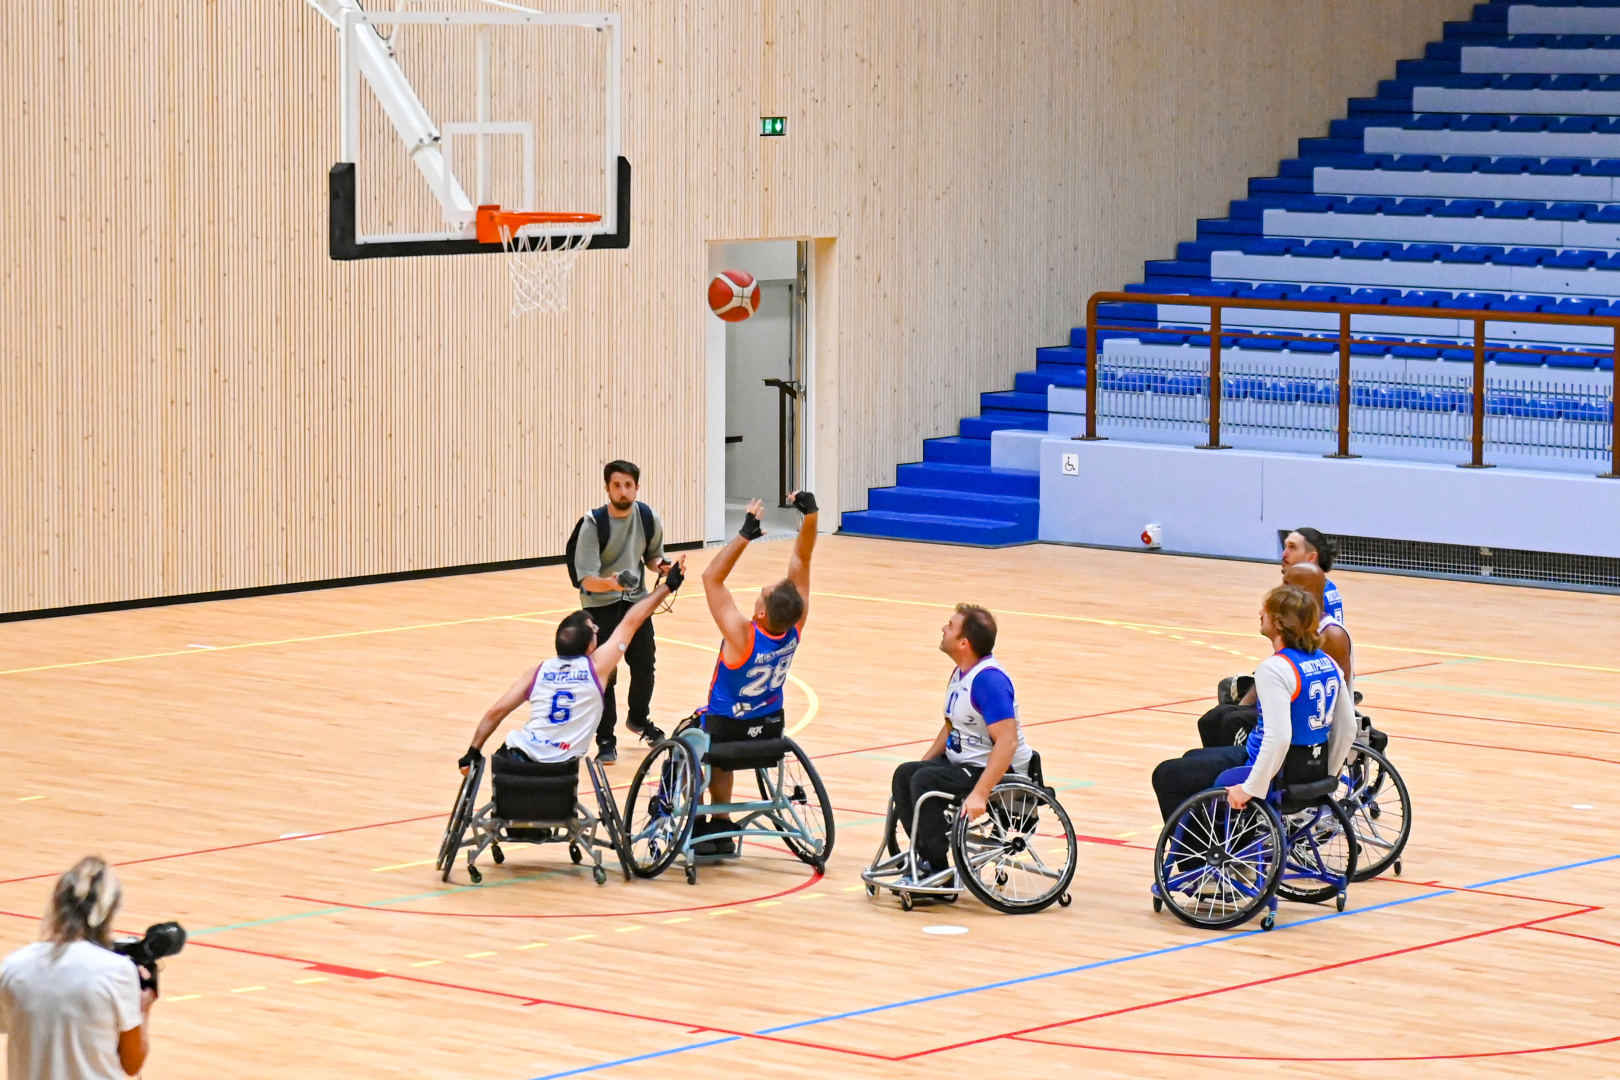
(274, 773)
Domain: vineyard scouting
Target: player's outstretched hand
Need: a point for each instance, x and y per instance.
(804, 502)
(675, 576)
(751, 528)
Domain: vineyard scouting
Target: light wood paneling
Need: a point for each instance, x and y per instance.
(195, 398)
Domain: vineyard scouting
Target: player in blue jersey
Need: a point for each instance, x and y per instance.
(980, 741)
(745, 695)
(1303, 703)
(1308, 545)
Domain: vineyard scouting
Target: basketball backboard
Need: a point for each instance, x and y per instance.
(451, 108)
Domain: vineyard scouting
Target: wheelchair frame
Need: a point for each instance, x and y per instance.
(891, 865)
(684, 769)
(489, 832)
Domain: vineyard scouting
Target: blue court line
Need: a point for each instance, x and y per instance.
(1093, 965)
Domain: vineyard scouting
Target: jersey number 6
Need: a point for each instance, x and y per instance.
(562, 706)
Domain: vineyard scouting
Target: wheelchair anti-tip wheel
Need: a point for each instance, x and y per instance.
(461, 815)
(660, 809)
(809, 812)
(1321, 847)
(1215, 867)
(1005, 860)
(1373, 793)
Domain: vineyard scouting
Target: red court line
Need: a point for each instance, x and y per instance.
(1496, 719)
(1487, 892)
(1513, 749)
(1248, 985)
(1583, 937)
(814, 877)
(238, 847)
(1256, 1057)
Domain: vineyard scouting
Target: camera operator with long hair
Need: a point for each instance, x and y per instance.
(73, 1009)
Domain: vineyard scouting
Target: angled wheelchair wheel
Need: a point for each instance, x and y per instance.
(659, 811)
(809, 817)
(461, 815)
(607, 811)
(1373, 793)
(1215, 867)
(1020, 855)
(1321, 857)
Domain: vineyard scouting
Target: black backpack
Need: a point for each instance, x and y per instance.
(600, 516)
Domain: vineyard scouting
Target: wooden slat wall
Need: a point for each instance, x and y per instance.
(194, 398)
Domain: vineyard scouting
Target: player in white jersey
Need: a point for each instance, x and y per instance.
(979, 742)
(565, 692)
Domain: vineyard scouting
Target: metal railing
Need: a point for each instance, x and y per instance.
(1342, 396)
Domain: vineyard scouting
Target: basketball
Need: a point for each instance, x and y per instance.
(734, 295)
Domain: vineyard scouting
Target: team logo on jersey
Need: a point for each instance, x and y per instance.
(741, 709)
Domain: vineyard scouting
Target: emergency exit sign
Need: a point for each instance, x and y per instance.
(773, 125)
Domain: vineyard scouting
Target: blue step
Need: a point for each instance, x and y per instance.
(943, 530)
(938, 476)
(954, 450)
(1012, 399)
(1033, 382)
(980, 427)
(965, 504)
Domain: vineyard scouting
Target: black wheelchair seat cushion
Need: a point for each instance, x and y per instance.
(1297, 797)
(528, 790)
(747, 754)
(734, 729)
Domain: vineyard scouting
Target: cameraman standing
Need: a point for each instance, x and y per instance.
(71, 1007)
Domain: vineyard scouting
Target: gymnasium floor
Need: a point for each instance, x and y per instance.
(274, 773)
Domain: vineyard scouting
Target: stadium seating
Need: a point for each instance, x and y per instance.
(1483, 177)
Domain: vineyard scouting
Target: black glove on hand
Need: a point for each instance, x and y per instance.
(473, 754)
(804, 502)
(627, 579)
(675, 577)
(751, 529)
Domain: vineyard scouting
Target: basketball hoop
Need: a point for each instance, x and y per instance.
(541, 265)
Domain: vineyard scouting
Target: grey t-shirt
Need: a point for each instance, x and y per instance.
(625, 549)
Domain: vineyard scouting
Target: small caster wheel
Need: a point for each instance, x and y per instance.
(1001, 877)
(599, 874)
(497, 854)
(472, 872)
(1158, 903)
(1340, 902)
(820, 867)
(948, 898)
(691, 875)
(1268, 921)
(1375, 811)
(871, 890)
(906, 902)
(1397, 868)
(573, 853)
(1065, 900)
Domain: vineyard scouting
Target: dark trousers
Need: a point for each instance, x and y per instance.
(641, 657)
(1227, 725)
(911, 781)
(1179, 779)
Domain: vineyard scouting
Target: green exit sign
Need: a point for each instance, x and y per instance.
(773, 125)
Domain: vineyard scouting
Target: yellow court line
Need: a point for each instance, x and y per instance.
(279, 641)
(478, 955)
(1156, 627)
(401, 866)
(627, 929)
(184, 997)
(532, 945)
(580, 937)
(427, 963)
(683, 918)
(248, 989)
(307, 982)
(30, 798)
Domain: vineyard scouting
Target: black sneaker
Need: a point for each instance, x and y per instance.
(649, 733)
(607, 753)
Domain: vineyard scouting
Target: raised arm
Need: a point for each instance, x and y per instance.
(803, 545)
(609, 652)
(515, 695)
(732, 623)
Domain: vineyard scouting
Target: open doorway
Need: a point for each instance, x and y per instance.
(762, 367)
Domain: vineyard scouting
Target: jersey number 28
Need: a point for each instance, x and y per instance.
(765, 675)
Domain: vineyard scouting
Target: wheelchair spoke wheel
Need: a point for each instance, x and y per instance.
(1374, 795)
(1216, 867)
(461, 815)
(659, 811)
(806, 825)
(1321, 859)
(1006, 859)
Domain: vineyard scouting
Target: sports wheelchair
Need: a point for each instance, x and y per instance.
(996, 858)
(533, 803)
(665, 798)
(1371, 789)
(1217, 867)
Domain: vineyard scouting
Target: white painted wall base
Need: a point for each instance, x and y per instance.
(1232, 502)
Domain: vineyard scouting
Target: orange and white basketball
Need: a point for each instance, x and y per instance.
(734, 295)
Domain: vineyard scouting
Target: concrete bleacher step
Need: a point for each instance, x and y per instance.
(955, 450)
(942, 476)
(939, 528)
(1004, 509)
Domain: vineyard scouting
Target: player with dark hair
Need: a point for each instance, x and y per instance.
(977, 745)
(745, 695)
(565, 693)
(1308, 545)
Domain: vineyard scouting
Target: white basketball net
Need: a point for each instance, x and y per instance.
(541, 268)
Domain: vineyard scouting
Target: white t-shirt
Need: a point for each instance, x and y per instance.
(63, 1011)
